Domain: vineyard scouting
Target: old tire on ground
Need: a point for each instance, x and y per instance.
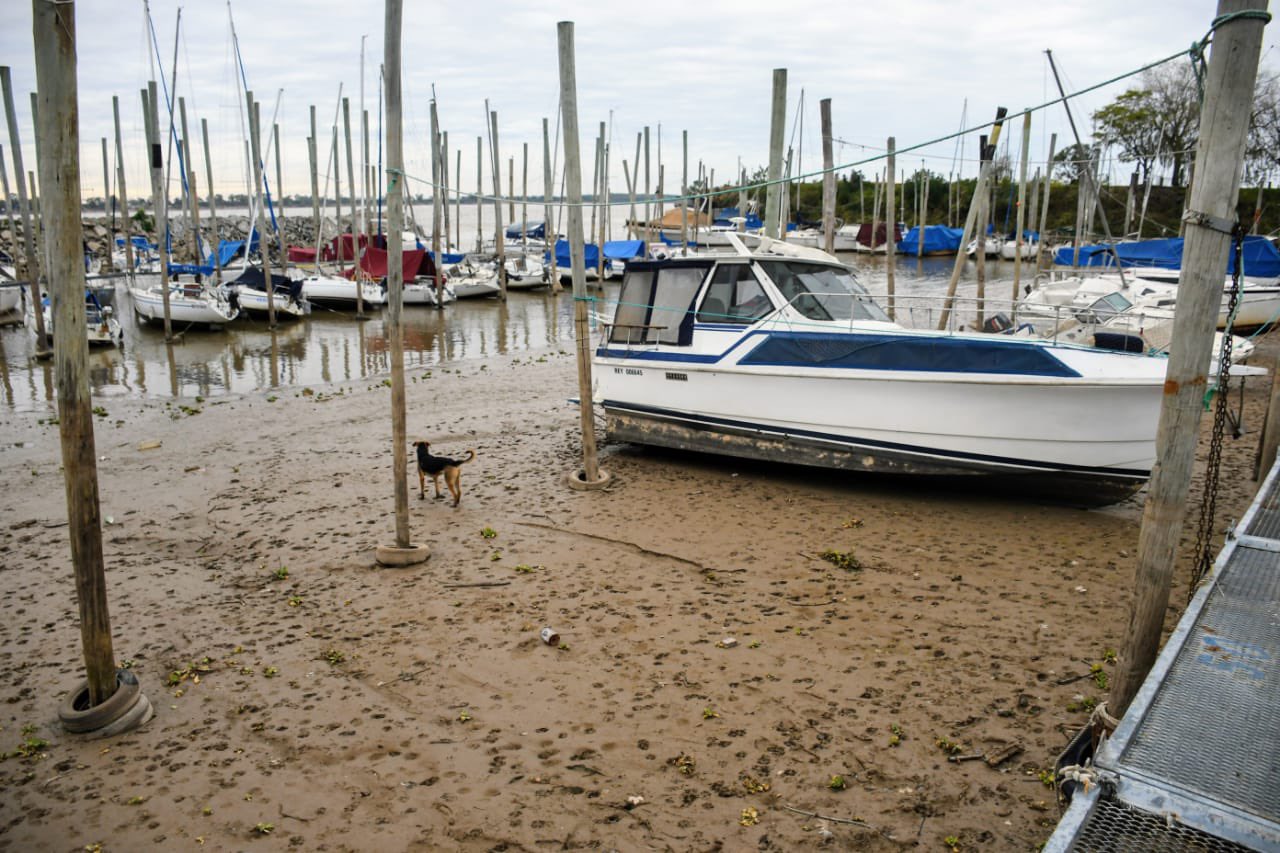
(77, 716)
(577, 480)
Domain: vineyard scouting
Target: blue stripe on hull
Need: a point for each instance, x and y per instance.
(872, 351)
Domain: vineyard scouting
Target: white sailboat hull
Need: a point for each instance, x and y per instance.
(208, 309)
(341, 291)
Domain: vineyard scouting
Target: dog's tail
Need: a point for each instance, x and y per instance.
(471, 454)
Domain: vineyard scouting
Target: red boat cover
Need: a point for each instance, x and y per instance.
(342, 246)
(864, 235)
(302, 255)
(373, 264)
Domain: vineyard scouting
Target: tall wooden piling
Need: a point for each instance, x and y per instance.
(499, 245)
(591, 474)
(439, 206)
(890, 247)
(13, 247)
(404, 552)
(480, 190)
(777, 130)
(975, 203)
(54, 29)
(126, 221)
(444, 176)
(260, 221)
(524, 200)
(151, 108)
(356, 230)
(31, 267)
(1043, 259)
(684, 191)
(106, 200)
(1224, 125)
(828, 180)
(313, 151)
(548, 228)
(184, 164)
(1022, 206)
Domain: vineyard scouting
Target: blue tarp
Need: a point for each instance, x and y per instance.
(449, 258)
(623, 250)
(937, 238)
(228, 249)
(562, 254)
(534, 231)
(1261, 257)
(138, 243)
(728, 214)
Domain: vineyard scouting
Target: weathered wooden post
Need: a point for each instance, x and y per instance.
(53, 26)
(403, 552)
(828, 179)
(684, 191)
(124, 193)
(444, 177)
(979, 189)
(13, 247)
(480, 192)
(777, 129)
(549, 229)
(313, 151)
(337, 202)
(31, 268)
(1022, 207)
(151, 107)
(499, 245)
(591, 476)
(106, 201)
(1224, 125)
(260, 222)
(438, 202)
(1043, 259)
(890, 248)
(356, 232)
(184, 165)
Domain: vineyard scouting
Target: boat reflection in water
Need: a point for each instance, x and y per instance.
(245, 356)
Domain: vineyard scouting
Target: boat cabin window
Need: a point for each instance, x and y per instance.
(1105, 308)
(734, 296)
(655, 305)
(822, 292)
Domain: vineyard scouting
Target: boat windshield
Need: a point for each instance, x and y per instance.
(822, 292)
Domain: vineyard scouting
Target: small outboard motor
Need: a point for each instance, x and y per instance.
(997, 323)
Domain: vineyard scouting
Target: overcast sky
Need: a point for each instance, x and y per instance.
(903, 69)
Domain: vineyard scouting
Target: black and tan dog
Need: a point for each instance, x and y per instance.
(434, 466)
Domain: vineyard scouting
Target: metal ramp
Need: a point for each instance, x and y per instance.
(1195, 763)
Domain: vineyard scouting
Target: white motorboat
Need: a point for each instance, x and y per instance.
(249, 292)
(525, 272)
(1009, 249)
(423, 292)
(101, 326)
(779, 354)
(194, 303)
(341, 292)
(472, 280)
(1259, 302)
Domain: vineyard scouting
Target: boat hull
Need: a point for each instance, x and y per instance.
(149, 304)
(1036, 430)
(697, 435)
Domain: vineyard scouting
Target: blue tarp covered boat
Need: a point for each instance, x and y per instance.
(1261, 257)
(938, 239)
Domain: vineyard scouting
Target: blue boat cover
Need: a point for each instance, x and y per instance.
(138, 243)
(1261, 257)
(190, 269)
(562, 254)
(449, 258)
(228, 249)
(937, 238)
(534, 230)
(623, 250)
(728, 214)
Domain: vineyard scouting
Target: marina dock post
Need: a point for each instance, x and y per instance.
(891, 228)
(591, 477)
(1224, 126)
(777, 130)
(403, 552)
(31, 268)
(828, 180)
(1043, 256)
(1021, 218)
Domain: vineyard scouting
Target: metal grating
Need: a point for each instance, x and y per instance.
(1113, 827)
(1211, 729)
(1266, 521)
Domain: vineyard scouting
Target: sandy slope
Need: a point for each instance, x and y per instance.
(352, 707)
